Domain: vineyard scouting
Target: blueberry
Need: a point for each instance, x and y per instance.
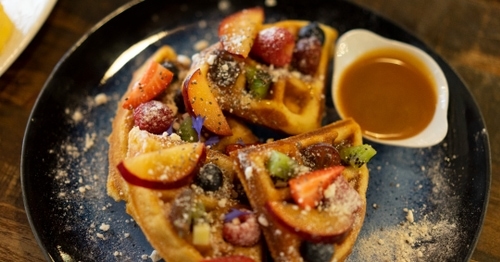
(179, 101)
(312, 29)
(316, 252)
(209, 178)
(172, 68)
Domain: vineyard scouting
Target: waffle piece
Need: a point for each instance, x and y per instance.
(161, 213)
(123, 121)
(283, 240)
(294, 102)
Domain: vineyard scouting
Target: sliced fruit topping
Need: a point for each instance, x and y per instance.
(224, 69)
(153, 116)
(181, 212)
(172, 68)
(258, 81)
(155, 79)
(357, 156)
(312, 225)
(307, 190)
(200, 102)
(274, 45)
(238, 31)
(201, 234)
(307, 55)
(232, 147)
(187, 131)
(307, 52)
(209, 178)
(236, 258)
(321, 155)
(281, 165)
(164, 169)
(341, 199)
(188, 217)
(242, 230)
(317, 252)
(312, 30)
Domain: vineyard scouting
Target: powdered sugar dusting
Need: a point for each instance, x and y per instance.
(419, 241)
(424, 227)
(342, 198)
(80, 181)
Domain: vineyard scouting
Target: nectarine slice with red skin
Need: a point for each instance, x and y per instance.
(238, 31)
(167, 168)
(200, 101)
(312, 225)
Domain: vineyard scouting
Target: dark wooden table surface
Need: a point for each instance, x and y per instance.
(464, 32)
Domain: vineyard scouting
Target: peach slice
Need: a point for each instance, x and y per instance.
(200, 101)
(165, 168)
(238, 31)
(313, 225)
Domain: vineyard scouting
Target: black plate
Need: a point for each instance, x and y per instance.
(64, 161)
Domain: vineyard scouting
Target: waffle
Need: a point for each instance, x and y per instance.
(156, 211)
(149, 208)
(283, 243)
(123, 122)
(295, 102)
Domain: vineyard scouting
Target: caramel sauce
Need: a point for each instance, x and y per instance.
(390, 93)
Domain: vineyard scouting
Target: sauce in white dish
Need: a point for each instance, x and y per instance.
(396, 92)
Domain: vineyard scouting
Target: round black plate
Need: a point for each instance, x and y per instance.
(64, 158)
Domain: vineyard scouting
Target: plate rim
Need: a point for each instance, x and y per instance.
(44, 89)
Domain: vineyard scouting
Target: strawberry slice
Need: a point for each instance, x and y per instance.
(236, 258)
(274, 46)
(155, 79)
(238, 31)
(307, 190)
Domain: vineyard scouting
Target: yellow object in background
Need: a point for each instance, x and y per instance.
(5, 28)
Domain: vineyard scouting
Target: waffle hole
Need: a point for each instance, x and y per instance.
(295, 97)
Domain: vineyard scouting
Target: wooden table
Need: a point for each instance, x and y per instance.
(464, 32)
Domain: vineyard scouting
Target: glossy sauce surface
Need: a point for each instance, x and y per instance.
(389, 93)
